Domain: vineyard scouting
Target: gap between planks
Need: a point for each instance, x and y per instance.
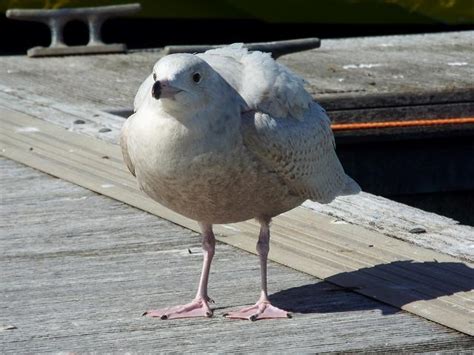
(424, 282)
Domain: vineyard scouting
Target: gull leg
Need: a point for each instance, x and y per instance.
(263, 309)
(199, 307)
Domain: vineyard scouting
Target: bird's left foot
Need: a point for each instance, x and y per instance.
(199, 307)
(261, 310)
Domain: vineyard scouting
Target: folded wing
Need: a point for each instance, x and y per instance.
(283, 126)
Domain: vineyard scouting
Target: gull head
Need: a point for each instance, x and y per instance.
(184, 83)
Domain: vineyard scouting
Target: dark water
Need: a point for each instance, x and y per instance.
(458, 205)
(434, 174)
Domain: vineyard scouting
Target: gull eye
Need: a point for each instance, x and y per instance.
(154, 76)
(196, 77)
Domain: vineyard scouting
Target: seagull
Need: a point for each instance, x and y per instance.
(226, 136)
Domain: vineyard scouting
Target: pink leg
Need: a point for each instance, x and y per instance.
(199, 307)
(263, 309)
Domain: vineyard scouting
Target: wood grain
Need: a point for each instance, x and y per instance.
(427, 283)
(78, 269)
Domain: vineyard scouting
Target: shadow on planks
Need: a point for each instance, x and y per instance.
(307, 298)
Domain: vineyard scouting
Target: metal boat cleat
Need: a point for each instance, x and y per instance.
(57, 19)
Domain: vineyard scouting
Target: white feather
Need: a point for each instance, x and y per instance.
(143, 92)
(265, 85)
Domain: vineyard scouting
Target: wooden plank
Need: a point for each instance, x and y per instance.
(372, 212)
(383, 268)
(391, 218)
(390, 71)
(392, 272)
(396, 77)
(75, 278)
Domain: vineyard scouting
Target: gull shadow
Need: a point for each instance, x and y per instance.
(397, 283)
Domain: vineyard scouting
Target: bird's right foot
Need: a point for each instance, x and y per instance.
(261, 310)
(199, 307)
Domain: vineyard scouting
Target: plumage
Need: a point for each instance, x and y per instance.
(230, 135)
(124, 145)
(264, 84)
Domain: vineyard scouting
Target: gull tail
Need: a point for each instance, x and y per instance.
(351, 187)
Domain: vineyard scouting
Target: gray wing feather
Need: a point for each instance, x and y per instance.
(301, 152)
(283, 127)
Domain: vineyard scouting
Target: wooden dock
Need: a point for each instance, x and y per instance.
(79, 273)
(78, 269)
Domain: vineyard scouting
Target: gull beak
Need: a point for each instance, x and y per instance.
(162, 89)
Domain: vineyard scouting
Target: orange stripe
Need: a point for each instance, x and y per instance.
(390, 124)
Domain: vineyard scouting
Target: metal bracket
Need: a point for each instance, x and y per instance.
(57, 19)
(276, 48)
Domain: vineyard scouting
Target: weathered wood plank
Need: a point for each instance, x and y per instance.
(78, 269)
(385, 276)
(398, 220)
(401, 77)
(389, 71)
(372, 212)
